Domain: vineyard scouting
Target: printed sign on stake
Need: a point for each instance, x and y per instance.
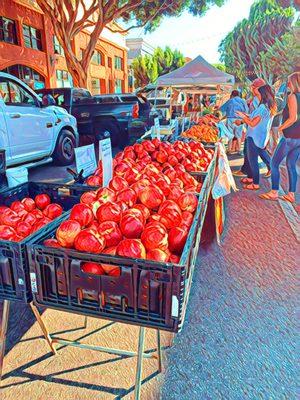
(105, 155)
(86, 159)
(157, 128)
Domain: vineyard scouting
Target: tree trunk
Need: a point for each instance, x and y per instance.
(78, 73)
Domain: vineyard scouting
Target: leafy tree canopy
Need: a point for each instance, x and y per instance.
(248, 49)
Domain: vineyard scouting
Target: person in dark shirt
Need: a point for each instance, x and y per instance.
(289, 145)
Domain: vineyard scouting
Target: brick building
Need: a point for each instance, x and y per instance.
(30, 50)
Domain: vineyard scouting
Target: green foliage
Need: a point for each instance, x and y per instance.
(257, 44)
(220, 66)
(152, 12)
(147, 69)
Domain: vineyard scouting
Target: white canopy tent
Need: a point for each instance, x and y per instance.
(197, 76)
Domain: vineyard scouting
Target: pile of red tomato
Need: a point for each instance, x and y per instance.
(165, 156)
(146, 212)
(24, 217)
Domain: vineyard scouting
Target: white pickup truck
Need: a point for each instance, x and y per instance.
(30, 131)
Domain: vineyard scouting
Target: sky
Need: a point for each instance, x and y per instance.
(198, 35)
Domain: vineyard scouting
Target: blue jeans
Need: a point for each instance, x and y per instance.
(289, 148)
(246, 166)
(253, 153)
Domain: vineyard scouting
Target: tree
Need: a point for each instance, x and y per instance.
(70, 17)
(147, 69)
(246, 51)
(220, 66)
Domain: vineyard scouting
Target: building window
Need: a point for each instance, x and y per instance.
(109, 62)
(57, 47)
(32, 37)
(118, 63)
(118, 86)
(31, 77)
(98, 58)
(95, 86)
(63, 79)
(8, 32)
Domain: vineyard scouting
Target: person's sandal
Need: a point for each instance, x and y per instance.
(246, 180)
(251, 186)
(287, 198)
(238, 173)
(269, 196)
(268, 174)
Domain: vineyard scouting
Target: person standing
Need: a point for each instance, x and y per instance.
(259, 125)
(253, 104)
(289, 144)
(234, 104)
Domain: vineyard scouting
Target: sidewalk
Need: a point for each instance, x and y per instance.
(239, 338)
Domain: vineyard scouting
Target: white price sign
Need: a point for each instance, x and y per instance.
(105, 155)
(86, 159)
(157, 128)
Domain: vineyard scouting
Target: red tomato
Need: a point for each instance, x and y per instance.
(157, 255)
(88, 197)
(67, 232)
(6, 232)
(10, 218)
(131, 226)
(162, 156)
(51, 243)
(188, 202)
(53, 211)
(89, 242)
(148, 146)
(118, 183)
(123, 206)
(109, 212)
(109, 269)
(140, 184)
(24, 229)
(42, 201)
(83, 214)
(105, 194)
(170, 214)
(138, 148)
(145, 211)
(37, 213)
(128, 196)
(151, 196)
(17, 206)
(177, 239)
(174, 258)
(131, 175)
(92, 268)
(187, 219)
(94, 180)
(30, 219)
(173, 160)
(28, 203)
(175, 192)
(155, 237)
(132, 248)
(111, 233)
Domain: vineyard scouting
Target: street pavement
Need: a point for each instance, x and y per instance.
(238, 341)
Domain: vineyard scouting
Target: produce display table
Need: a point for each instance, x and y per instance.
(147, 293)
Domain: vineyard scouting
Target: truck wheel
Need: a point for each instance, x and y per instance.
(108, 129)
(64, 153)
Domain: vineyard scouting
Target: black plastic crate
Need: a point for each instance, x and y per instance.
(14, 270)
(146, 293)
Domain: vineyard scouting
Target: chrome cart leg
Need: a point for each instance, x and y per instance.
(43, 327)
(159, 352)
(85, 322)
(139, 367)
(3, 330)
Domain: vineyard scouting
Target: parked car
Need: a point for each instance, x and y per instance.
(31, 130)
(96, 117)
